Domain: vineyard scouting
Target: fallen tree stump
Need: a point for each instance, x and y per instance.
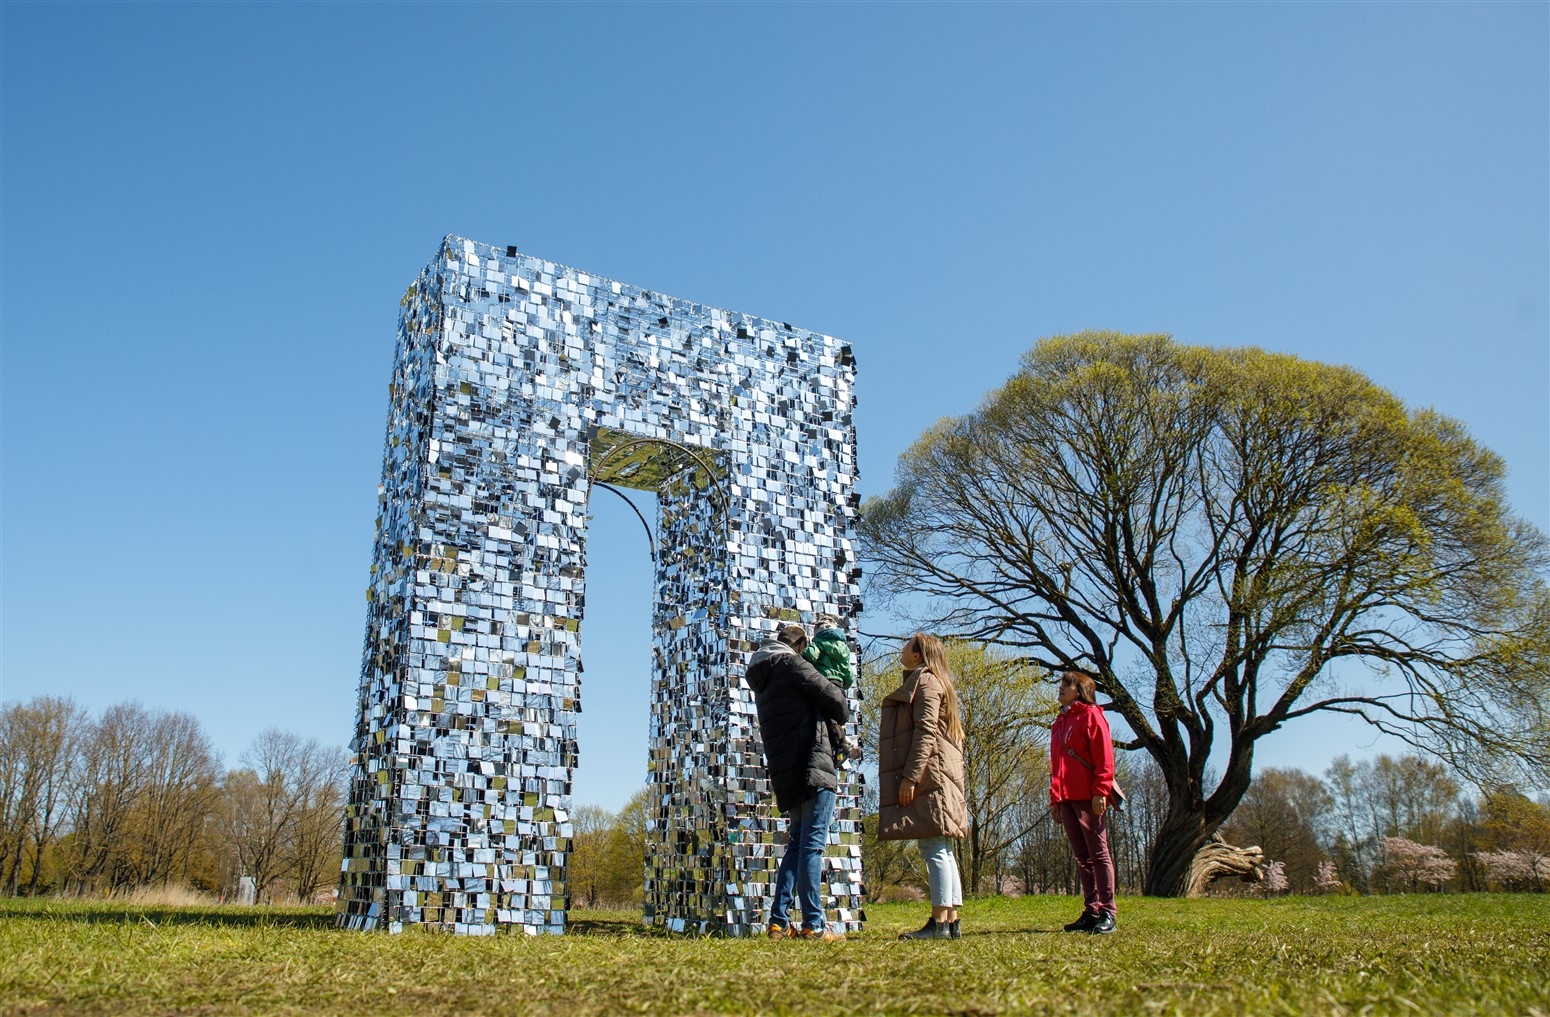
(1219, 860)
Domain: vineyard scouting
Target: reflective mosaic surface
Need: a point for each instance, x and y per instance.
(516, 384)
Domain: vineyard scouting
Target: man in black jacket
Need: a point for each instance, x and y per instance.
(794, 702)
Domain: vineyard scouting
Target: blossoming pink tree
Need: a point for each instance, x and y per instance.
(1275, 878)
(1416, 865)
(1515, 870)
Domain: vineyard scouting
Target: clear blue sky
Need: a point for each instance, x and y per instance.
(211, 210)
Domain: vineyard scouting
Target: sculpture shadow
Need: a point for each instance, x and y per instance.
(612, 928)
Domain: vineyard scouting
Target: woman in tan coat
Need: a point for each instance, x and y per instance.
(920, 775)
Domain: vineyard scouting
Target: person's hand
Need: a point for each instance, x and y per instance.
(906, 791)
(1100, 805)
(1054, 811)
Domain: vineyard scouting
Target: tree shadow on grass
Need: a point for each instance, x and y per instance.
(590, 924)
(107, 913)
(619, 924)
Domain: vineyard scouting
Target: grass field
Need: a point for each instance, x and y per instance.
(1430, 954)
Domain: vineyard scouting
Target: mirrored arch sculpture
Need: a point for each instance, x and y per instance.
(517, 384)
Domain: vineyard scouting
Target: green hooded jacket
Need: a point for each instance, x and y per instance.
(830, 654)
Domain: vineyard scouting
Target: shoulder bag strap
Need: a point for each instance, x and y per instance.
(1113, 781)
(1066, 744)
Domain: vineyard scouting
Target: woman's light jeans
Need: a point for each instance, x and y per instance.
(942, 872)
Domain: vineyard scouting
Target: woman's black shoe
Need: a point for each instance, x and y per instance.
(952, 929)
(931, 930)
(1102, 924)
(1083, 923)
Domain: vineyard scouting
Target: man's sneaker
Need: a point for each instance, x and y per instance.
(952, 929)
(781, 931)
(931, 930)
(822, 935)
(1084, 923)
(1104, 923)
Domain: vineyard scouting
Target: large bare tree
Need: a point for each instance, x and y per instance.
(39, 741)
(181, 784)
(108, 796)
(315, 845)
(1223, 538)
(280, 815)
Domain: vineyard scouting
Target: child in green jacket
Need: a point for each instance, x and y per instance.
(829, 653)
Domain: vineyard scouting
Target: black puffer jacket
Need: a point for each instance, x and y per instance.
(794, 700)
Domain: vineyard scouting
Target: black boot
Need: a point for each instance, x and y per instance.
(1084, 923)
(931, 930)
(1103, 924)
(952, 929)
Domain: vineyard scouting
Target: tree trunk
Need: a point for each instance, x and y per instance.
(1181, 836)
(1192, 819)
(976, 861)
(37, 864)
(14, 887)
(6, 863)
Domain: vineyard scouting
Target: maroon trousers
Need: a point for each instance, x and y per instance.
(1089, 837)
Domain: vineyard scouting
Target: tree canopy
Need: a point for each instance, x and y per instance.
(1211, 533)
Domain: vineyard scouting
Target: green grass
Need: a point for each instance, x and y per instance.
(1430, 954)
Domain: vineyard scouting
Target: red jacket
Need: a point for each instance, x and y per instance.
(1085, 730)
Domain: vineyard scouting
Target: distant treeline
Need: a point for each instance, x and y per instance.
(136, 799)
(1385, 825)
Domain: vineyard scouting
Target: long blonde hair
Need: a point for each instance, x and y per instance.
(934, 654)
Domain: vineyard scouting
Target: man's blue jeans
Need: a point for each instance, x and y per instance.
(801, 867)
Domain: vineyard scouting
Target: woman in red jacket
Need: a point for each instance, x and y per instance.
(1081, 773)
